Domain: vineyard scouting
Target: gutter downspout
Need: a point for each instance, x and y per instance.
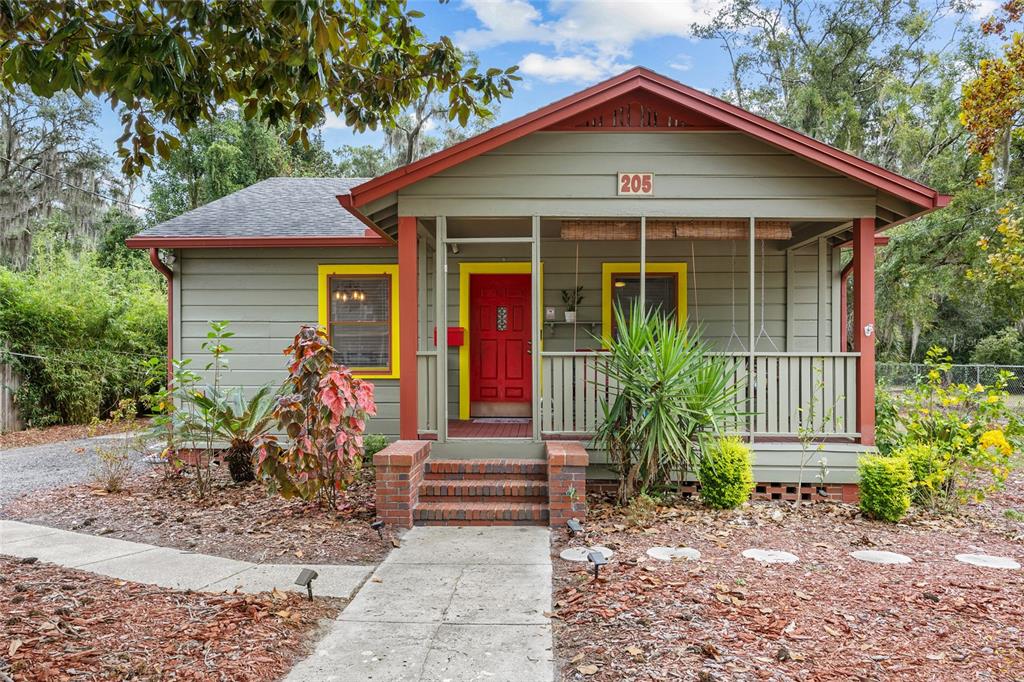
(154, 258)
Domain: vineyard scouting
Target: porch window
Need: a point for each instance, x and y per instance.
(665, 291)
(358, 308)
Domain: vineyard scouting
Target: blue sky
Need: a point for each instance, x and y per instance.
(561, 46)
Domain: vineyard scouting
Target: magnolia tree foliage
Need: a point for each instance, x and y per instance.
(324, 417)
(172, 65)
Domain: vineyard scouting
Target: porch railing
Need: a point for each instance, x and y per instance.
(813, 390)
(426, 389)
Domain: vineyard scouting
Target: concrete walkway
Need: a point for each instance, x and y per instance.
(165, 567)
(454, 604)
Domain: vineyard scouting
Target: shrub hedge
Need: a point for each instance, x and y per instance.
(886, 486)
(78, 335)
(725, 473)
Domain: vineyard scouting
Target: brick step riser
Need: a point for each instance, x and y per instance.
(478, 522)
(477, 515)
(433, 476)
(494, 469)
(484, 488)
(501, 499)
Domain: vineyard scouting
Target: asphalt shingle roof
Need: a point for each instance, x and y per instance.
(275, 207)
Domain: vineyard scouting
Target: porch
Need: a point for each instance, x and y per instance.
(772, 307)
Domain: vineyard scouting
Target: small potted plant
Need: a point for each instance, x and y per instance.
(572, 298)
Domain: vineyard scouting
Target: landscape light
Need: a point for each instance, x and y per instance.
(575, 527)
(378, 526)
(305, 579)
(598, 560)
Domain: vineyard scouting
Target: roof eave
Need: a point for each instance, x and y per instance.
(171, 242)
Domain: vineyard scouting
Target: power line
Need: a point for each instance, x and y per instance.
(82, 189)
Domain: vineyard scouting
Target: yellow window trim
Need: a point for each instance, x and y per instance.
(609, 269)
(324, 272)
(467, 268)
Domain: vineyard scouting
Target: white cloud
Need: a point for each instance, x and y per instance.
(682, 62)
(983, 9)
(332, 121)
(589, 37)
(567, 69)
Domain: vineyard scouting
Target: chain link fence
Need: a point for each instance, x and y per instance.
(899, 375)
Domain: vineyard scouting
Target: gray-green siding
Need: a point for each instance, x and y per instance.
(266, 294)
(697, 174)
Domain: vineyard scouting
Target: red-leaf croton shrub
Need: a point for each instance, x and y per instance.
(324, 417)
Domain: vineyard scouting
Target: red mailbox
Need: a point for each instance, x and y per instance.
(456, 336)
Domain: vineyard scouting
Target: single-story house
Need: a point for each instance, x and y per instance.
(443, 282)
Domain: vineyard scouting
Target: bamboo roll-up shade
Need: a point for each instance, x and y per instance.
(629, 230)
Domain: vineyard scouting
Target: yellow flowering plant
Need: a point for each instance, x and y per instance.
(971, 428)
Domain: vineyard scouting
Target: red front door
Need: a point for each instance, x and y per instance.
(499, 345)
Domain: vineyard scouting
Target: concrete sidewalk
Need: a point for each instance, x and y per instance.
(166, 567)
(452, 604)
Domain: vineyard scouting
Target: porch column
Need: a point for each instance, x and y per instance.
(535, 327)
(751, 339)
(643, 263)
(864, 324)
(408, 298)
(441, 324)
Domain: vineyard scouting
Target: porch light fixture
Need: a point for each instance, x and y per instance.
(378, 526)
(575, 527)
(305, 579)
(597, 560)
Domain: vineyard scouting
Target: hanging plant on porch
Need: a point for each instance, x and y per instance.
(667, 393)
(324, 417)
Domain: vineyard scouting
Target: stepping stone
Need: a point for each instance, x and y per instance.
(876, 557)
(580, 553)
(673, 553)
(988, 561)
(771, 556)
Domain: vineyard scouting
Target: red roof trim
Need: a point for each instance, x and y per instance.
(248, 242)
(346, 203)
(641, 78)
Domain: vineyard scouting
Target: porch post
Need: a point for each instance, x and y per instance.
(864, 324)
(535, 328)
(408, 298)
(751, 360)
(441, 322)
(643, 263)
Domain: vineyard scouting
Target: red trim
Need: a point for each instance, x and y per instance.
(652, 83)
(880, 240)
(408, 298)
(154, 258)
(346, 203)
(863, 315)
(249, 242)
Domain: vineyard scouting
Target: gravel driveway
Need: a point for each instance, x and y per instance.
(50, 465)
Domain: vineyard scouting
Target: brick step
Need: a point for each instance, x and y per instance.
(485, 490)
(484, 469)
(480, 514)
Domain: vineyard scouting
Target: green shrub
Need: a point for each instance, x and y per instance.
(1005, 347)
(886, 486)
(669, 391)
(930, 473)
(80, 333)
(374, 443)
(725, 474)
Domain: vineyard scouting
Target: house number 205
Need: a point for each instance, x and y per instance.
(636, 184)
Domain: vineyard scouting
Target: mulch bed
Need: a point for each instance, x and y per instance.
(234, 521)
(57, 434)
(63, 624)
(828, 616)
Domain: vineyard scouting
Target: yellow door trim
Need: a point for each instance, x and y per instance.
(467, 268)
(609, 269)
